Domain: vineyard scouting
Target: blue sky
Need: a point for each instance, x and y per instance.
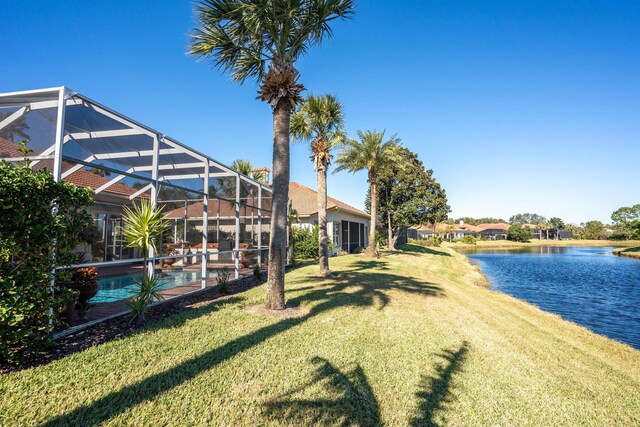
(517, 106)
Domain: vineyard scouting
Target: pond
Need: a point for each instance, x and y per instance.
(586, 285)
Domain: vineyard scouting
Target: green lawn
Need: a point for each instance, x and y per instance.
(406, 340)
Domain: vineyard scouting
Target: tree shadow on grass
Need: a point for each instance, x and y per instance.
(417, 249)
(353, 289)
(351, 400)
(435, 391)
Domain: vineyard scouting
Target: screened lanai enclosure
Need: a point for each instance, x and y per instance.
(219, 218)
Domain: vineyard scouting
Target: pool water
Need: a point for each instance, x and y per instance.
(586, 285)
(116, 288)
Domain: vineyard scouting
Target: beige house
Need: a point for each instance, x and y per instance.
(347, 227)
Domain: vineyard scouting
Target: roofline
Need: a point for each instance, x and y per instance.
(69, 93)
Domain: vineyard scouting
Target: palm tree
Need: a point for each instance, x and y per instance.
(372, 153)
(320, 122)
(262, 39)
(246, 168)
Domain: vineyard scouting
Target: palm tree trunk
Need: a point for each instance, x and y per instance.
(371, 247)
(279, 204)
(323, 246)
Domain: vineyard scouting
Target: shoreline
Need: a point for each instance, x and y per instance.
(620, 245)
(633, 252)
(629, 252)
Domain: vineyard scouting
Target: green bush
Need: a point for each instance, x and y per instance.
(432, 241)
(30, 232)
(518, 233)
(305, 243)
(468, 240)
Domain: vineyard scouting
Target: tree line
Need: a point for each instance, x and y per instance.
(624, 225)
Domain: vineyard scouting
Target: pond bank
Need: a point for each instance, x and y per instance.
(507, 244)
(628, 252)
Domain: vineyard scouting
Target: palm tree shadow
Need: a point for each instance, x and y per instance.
(353, 401)
(435, 391)
(353, 289)
(412, 249)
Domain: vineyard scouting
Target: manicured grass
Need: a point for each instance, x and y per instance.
(505, 244)
(404, 340)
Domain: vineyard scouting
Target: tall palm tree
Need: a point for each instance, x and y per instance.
(262, 39)
(371, 152)
(320, 121)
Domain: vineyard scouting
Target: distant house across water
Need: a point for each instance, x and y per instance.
(487, 231)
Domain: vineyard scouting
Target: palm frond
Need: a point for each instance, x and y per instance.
(242, 37)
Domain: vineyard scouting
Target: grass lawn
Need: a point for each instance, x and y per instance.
(405, 340)
(505, 244)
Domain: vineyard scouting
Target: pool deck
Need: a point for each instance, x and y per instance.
(105, 310)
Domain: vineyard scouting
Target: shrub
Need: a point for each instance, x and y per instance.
(518, 233)
(305, 243)
(223, 280)
(148, 290)
(432, 241)
(257, 273)
(468, 240)
(30, 232)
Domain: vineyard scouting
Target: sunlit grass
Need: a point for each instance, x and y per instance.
(404, 340)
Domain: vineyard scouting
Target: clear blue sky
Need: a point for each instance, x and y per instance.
(517, 106)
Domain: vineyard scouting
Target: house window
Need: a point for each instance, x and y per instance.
(336, 234)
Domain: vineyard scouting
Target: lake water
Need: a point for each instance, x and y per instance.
(588, 286)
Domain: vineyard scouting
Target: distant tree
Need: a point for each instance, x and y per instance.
(16, 130)
(635, 226)
(556, 223)
(518, 233)
(370, 152)
(527, 218)
(408, 195)
(246, 168)
(545, 226)
(490, 220)
(593, 230)
(448, 232)
(623, 219)
(468, 220)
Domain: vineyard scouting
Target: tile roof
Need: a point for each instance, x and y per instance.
(497, 226)
(305, 201)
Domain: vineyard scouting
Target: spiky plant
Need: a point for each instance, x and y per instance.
(142, 228)
(320, 122)
(262, 40)
(370, 152)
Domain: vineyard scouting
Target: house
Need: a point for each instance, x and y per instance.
(496, 231)
(347, 227)
(443, 230)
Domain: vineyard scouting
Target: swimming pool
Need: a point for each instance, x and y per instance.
(116, 288)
